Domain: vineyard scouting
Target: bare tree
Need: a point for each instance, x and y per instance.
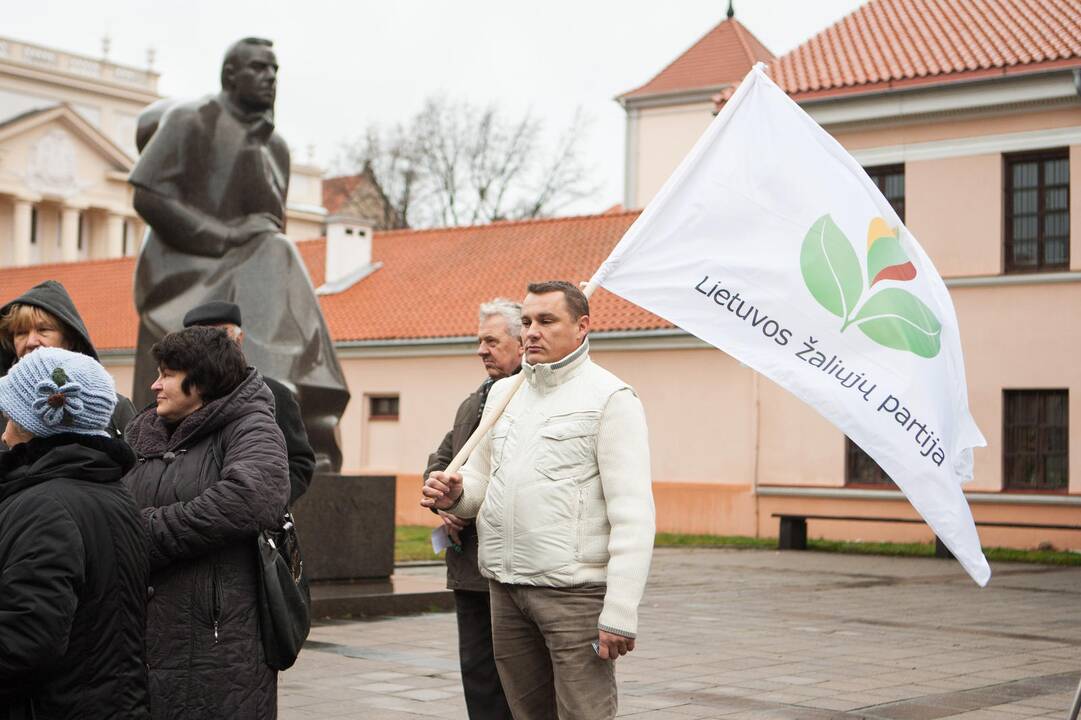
(458, 164)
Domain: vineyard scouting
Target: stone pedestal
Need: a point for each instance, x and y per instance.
(346, 527)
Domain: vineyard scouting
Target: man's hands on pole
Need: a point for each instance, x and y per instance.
(611, 646)
(441, 490)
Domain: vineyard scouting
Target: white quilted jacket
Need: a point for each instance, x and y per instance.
(561, 486)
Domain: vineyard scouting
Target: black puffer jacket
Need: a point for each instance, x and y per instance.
(51, 297)
(207, 488)
(73, 571)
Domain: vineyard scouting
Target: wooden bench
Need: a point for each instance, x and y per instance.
(793, 534)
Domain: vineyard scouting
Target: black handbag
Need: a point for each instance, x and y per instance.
(284, 597)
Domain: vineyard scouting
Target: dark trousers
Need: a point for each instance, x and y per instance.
(483, 692)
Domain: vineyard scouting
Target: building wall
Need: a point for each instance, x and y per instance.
(953, 206)
(660, 138)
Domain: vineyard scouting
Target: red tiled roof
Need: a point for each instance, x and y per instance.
(337, 190)
(723, 55)
(429, 286)
(432, 281)
(101, 289)
(889, 44)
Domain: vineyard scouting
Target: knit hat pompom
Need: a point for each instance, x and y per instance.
(52, 391)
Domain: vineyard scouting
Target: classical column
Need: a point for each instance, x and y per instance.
(20, 234)
(114, 236)
(69, 234)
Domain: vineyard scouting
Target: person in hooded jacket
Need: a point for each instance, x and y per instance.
(45, 316)
(73, 564)
(211, 474)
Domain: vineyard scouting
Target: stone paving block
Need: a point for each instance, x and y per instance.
(425, 694)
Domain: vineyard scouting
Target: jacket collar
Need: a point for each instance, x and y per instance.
(68, 456)
(548, 376)
(258, 122)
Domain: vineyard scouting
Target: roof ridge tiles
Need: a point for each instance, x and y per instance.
(499, 224)
(723, 54)
(886, 44)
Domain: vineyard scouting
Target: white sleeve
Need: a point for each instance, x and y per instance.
(623, 460)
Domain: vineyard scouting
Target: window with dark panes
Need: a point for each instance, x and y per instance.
(1038, 211)
(383, 407)
(890, 179)
(861, 469)
(1035, 442)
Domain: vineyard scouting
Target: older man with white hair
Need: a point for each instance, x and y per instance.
(499, 347)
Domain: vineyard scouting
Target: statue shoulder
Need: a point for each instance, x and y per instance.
(279, 147)
(175, 114)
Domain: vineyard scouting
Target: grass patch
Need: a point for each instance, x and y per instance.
(413, 543)
(664, 539)
(994, 554)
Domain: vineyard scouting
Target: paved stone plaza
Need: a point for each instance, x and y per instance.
(760, 634)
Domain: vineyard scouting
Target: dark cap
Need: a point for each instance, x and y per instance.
(213, 313)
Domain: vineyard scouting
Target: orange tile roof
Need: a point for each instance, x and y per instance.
(723, 55)
(101, 289)
(338, 190)
(889, 44)
(429, 286)
(432, 281)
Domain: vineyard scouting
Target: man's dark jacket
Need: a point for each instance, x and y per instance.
(462, 572)
(301, 455)
(73, 576)
(206, 488)
(51, 297)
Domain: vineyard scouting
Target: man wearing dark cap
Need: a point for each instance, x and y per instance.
(226, 315)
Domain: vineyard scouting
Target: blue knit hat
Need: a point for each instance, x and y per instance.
(52, 391)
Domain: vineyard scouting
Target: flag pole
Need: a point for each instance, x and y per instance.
(490, 419)
(1076, 707)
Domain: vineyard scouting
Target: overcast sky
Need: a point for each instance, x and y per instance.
(348, 63)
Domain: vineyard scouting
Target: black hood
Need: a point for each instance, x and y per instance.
(51, 297)
(66, 456)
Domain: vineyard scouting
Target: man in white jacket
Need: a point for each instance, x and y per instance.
(561, 491)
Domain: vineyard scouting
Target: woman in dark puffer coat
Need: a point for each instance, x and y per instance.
(73, 563)
(211, 473)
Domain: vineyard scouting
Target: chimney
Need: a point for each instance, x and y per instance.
(349, 253)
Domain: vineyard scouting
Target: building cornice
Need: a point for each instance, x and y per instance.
(928, 102)
(675, 97)
(67, 81)
(978, 145)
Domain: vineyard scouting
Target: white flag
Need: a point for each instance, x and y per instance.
(771, 243)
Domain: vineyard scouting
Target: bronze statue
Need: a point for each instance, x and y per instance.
(211, 183)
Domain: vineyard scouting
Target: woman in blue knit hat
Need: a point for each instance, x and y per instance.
(73, 563)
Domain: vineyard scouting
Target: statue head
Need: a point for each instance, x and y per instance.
(249, 74)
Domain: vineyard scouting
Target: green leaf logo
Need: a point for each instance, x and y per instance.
(830, 268)
(898, 319)
(892, 317)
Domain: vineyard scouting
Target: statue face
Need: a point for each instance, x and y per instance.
(253, 77)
